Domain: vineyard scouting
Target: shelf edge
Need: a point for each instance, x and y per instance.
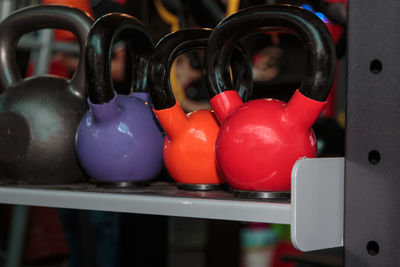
(235, 210)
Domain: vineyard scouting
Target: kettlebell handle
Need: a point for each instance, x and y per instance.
(98, 54)
(186, 40)
(41, 17)
(313, 33)
(242, 78)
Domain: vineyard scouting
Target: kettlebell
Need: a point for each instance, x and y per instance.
(118, 141)
(189, 147)
(39, 115)
(259, 141)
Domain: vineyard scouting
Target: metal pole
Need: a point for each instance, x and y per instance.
(6, 7)
(46, 38)
(372, 185)
(17, 236)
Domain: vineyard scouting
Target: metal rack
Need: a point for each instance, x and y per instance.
(372, 199)
(314, 211)
(314, 224)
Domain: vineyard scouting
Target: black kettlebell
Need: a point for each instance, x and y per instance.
(39, 115)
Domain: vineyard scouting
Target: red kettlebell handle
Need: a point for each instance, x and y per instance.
(320, 51)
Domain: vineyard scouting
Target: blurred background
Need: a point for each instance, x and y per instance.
(61, 237)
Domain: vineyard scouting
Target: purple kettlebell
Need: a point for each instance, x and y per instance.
(118, 140)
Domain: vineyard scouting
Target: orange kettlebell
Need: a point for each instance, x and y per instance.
(189, 147)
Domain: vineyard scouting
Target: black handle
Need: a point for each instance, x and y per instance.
(98, 53)
(242, 73)
(177, 43)
(161, 93)
(309, 28)
(36, 18)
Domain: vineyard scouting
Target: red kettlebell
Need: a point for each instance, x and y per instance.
(189, 145)
(259, 141)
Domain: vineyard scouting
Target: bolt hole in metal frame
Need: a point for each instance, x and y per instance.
(372, 248)
(375, 66)
(315, 210)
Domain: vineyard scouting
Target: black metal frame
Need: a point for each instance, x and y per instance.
(372, 184)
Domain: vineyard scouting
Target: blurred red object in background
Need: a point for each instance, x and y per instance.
(84, 5)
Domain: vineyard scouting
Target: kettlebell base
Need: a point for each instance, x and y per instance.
(200, 187)
(261, 194)
(122, 184)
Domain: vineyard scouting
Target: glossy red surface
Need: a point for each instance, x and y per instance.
(189, 147)
(224, 103)
(260, 141)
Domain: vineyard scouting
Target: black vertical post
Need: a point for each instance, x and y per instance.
(372, 175)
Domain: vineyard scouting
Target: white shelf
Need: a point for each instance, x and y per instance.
(315, 210)
(158, 199)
